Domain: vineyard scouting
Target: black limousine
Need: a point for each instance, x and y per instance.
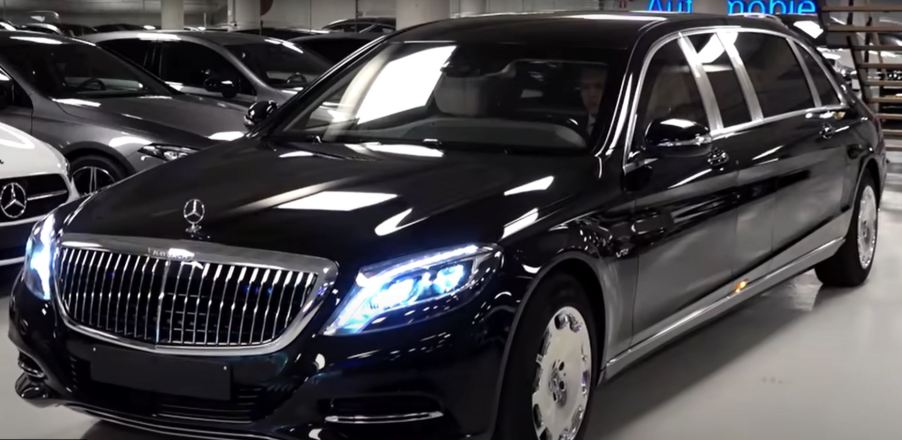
(458, 232)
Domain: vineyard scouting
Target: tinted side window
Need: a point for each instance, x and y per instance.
(717, 65)
(824, 88)
(191, 64)
(669, 90)
(135, 50)
(775, 73)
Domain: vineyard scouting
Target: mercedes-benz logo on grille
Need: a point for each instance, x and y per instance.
(13, 200)
(194, 212)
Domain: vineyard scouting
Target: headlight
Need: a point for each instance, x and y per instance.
(166, 152)
(414, 288)
(39, 256)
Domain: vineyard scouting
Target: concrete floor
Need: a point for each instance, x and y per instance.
(799, 362)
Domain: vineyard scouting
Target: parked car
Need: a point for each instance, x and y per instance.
(281, 33)
(379, 25)
(66, 29)
(33, 182)
(550, 199)
(108, 117)
(335, 46)
(233, 66)
(113, 27)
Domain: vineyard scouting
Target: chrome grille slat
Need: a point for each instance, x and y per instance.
(259, 290)
(272, 289)
(247, 300)
(164, 301)
(119, 294)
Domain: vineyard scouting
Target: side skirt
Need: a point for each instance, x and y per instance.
(789, 263)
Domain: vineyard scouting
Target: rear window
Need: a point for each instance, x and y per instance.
(824, 88)
(775, 73)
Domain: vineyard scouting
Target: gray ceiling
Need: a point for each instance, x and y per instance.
(106, 6)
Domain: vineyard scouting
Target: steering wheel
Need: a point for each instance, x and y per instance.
(296, 76)
(83, 85)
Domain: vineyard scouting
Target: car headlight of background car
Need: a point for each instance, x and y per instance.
(166, 152)
(414, 288)
(39, 251)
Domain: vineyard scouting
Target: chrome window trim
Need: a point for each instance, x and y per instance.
(205, 252)
(771, 119)
(630, 148)
(745, 81)
(811, 88)
(702, 82)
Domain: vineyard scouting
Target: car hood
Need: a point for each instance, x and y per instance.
(21, 154)
(351, 203)
(179, 119)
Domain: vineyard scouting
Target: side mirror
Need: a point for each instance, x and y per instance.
(258, 112)
(677, 138)
(227, 87)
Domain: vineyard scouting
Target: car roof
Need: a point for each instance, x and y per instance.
(363, 36)
(29, 37)
(610, 30)
(379, 20)
(214, 37)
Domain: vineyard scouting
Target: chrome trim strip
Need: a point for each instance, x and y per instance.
(22, 222)
(705, 89)
(381, 420)
(759, 279)
(771, 119)
(164, 429)
(61, 192)
(183, 251)
(11, 261)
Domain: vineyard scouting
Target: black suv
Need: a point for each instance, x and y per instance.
(458, 231)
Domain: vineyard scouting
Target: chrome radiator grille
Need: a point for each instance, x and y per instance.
(161, 301)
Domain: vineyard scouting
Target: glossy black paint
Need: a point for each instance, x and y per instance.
(647, 237)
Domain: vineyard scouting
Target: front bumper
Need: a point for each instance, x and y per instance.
(436, 379)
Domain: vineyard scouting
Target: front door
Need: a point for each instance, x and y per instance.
(684, 222)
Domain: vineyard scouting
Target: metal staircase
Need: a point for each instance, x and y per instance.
(876, 50)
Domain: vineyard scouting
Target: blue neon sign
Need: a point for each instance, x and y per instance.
(741, 6)
(670, 5)
(771, 6)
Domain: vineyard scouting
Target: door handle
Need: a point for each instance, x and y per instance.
(718, 158)
(827, 131)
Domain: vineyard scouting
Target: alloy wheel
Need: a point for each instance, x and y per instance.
(867, 227)
(563, 378)
(89, 179)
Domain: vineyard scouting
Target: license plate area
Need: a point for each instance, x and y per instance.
(175, 375)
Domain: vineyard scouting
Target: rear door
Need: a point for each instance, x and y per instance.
(801, 166)
(684, 222)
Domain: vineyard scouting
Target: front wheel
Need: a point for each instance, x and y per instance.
(552, 367)
(91, 173)
(852, 263)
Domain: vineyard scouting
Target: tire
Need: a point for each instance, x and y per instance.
(560, 294)
(852, 263)
(91, 173)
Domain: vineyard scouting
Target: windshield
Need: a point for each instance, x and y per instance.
(76, 70)
(468, 96)
(279, 63)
